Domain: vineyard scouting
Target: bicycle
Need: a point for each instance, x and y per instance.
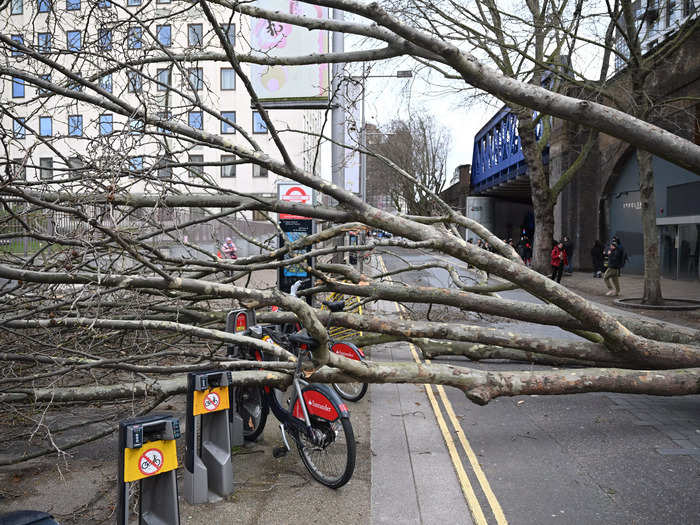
(316, 418)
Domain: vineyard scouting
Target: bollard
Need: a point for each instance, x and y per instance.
(208, 470)
(148, 454)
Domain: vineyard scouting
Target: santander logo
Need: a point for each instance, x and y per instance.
(318, 405)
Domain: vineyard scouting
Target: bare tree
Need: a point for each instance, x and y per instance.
(118, 290)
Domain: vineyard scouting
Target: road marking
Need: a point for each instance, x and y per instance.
(467, 489)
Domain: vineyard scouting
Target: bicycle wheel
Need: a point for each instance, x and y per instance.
(351, 391)
(253, 409)
(330, 456)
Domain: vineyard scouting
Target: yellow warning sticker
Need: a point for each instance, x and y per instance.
(208, 401)
(154, 457)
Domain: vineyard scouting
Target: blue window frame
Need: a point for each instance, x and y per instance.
(104, 38)
(104, 4)
(106, 83)
(136, 126)
(134, 37)
(17, 87)
(75, 85)
(20, 40)
(164, 35)
(17, 7)
(228, 166)
(73, 42)
(195, 35)
(45, 126)
(228, 79)
(75, 125)
(229, 31)
(226, 128)
(136, 164)
(44, 42)
(106, 124)
(163, 78)
(18, 129)
(46, 168)
(72, 5)
(135, 82)
(164, 115)
(259, 125)
(47, 78)
(196, 77)
(195, 119)
(133, 2)
(44, 6)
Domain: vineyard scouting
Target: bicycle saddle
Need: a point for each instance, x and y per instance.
(335, 306)
(303, 338)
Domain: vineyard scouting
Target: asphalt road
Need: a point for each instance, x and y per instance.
(587, 458)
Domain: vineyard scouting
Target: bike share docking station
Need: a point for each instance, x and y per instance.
(208, 468)
(237, 321)
(148, 454)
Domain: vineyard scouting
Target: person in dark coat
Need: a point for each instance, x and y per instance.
(612, 274)
(569, 249)
(597, 258)
(558, 261)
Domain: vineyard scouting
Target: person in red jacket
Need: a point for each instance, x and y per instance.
(559, 260)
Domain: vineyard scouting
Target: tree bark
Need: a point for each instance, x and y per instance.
(652, 271)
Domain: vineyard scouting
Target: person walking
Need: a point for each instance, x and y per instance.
(569, 249)
(558, 261)
(229, 249)
(597, 258)
(612, 274)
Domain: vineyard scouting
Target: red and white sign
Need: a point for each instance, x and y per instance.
(151, 462)
(211, 401)
(296, 193)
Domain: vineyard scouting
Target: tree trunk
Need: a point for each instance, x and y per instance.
(652, 273)
(540, 193)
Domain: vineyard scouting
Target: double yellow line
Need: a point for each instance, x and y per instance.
(466, 485)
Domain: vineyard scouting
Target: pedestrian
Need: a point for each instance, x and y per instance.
(558, 260)
(612, 274)
(569, 249)
(525, 249)
(597, 258)
(229, 249)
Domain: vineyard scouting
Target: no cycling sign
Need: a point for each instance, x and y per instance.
(208, 401)
(154, 457)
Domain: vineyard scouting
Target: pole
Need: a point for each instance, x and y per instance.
(337, 111)
(363, 141)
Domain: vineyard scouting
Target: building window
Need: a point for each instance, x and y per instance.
(164, 116)
(134, 82)
(44, 6)
(18, 129)
(133, 37)
(17, 7)
(47, 78)
(72, 5)
(227, 128)
(106, 83)
(196, 77)
(164, 35)
(194, 170)
(228, 79)
(163, 78)
(20, 40)
(17, 87)
(228, 168)
(75, 85)
(136, 126)
(73, 40)
(195, 119)
(19, 169)
(229, 31)
(259, 171)
(195, 35)
(45, 126)
(133, 2)
(259, 125)
(105, 124)
(44, 42)
(104, 39)
(75, 125)
(165, 169)
(104, 4)
(163, 1)
(135, 164)
(46, 168)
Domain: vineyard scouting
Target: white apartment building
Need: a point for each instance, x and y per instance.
(115, 44)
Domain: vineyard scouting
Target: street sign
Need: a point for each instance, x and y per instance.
(296, 193)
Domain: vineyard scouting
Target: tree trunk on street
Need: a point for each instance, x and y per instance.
(652, 272)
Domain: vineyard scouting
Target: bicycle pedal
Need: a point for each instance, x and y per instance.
(279, 452)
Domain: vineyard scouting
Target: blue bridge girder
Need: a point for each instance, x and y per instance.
(498, 164)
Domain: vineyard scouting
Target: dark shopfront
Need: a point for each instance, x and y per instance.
(678, 218)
